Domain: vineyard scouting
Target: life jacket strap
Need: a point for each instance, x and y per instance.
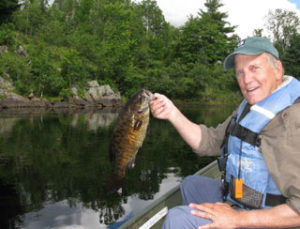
(273, 200)
(245, 134)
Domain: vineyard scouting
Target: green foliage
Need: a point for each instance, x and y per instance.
(54, 31)
(7, 7)
(18, 69)
(46, 77)
(292, 57)
(125, 44)
(283, 24)
(30, 19)
(205, 39)
(7, 34)
(65, 93)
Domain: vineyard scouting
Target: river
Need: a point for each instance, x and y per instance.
(55, 168)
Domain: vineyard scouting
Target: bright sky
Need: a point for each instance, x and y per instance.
(246, 14)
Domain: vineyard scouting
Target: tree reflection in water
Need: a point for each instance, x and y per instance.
(49, 157)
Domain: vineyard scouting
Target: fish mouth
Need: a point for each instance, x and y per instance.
(148, 94)
(146, 97)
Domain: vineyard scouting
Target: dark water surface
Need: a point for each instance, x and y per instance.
(54, 168)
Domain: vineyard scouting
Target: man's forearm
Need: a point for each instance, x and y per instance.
(281, 216)
(163, 108)
(189, 131)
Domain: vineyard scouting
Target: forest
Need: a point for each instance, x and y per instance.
(47, 48)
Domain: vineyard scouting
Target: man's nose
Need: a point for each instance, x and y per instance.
(248, 76)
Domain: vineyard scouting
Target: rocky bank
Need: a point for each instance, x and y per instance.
(95, 95)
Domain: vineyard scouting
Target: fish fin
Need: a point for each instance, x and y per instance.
(137, 125)
(131, 164)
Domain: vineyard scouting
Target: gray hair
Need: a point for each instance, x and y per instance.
(273, 61)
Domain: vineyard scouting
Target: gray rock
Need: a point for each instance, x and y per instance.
(102, 95)
(96, 96)
(11, 99)
(6, 85)
(21, 51)
(3, 49)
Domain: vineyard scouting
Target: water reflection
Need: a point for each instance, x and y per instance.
(54, 168)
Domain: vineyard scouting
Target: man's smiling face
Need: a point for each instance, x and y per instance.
(256, 76)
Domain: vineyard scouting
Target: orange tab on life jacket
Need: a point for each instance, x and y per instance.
(238, 188)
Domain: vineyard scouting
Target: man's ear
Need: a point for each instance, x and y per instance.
(279, 70)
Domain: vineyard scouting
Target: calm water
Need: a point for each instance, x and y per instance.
(54, 168)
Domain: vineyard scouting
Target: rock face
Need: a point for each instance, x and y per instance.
(3, 49)
(5, 85)
(95, 96)
(102, 95)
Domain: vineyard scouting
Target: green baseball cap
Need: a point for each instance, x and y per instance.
(251, 46)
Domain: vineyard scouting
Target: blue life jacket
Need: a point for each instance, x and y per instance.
(258, 185)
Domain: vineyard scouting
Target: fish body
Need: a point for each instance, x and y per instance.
(129, 133)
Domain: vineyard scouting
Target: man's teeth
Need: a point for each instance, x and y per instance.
(251, 89)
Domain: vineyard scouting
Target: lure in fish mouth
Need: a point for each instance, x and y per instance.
(128, 135)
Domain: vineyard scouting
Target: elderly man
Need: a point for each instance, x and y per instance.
(259, 146)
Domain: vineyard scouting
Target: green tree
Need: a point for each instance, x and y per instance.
(152, 16)
(207, 38)
(153, 52)
(45, 78)
(54, 31)
(125, 44)
(83, 12)
(291, 58)
(73, 70)
(17, 69)
(157, 32)
(117, 43)
(7, 7)
(7, 34)
(258, 32)
(216, 37)
(283, 24)
(29, 19)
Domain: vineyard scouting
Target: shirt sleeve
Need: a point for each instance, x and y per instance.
(280, 146)
(212, 139)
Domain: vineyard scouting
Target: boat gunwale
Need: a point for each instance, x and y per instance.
(165, 196)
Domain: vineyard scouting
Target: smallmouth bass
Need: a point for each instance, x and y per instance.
(128, 135)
